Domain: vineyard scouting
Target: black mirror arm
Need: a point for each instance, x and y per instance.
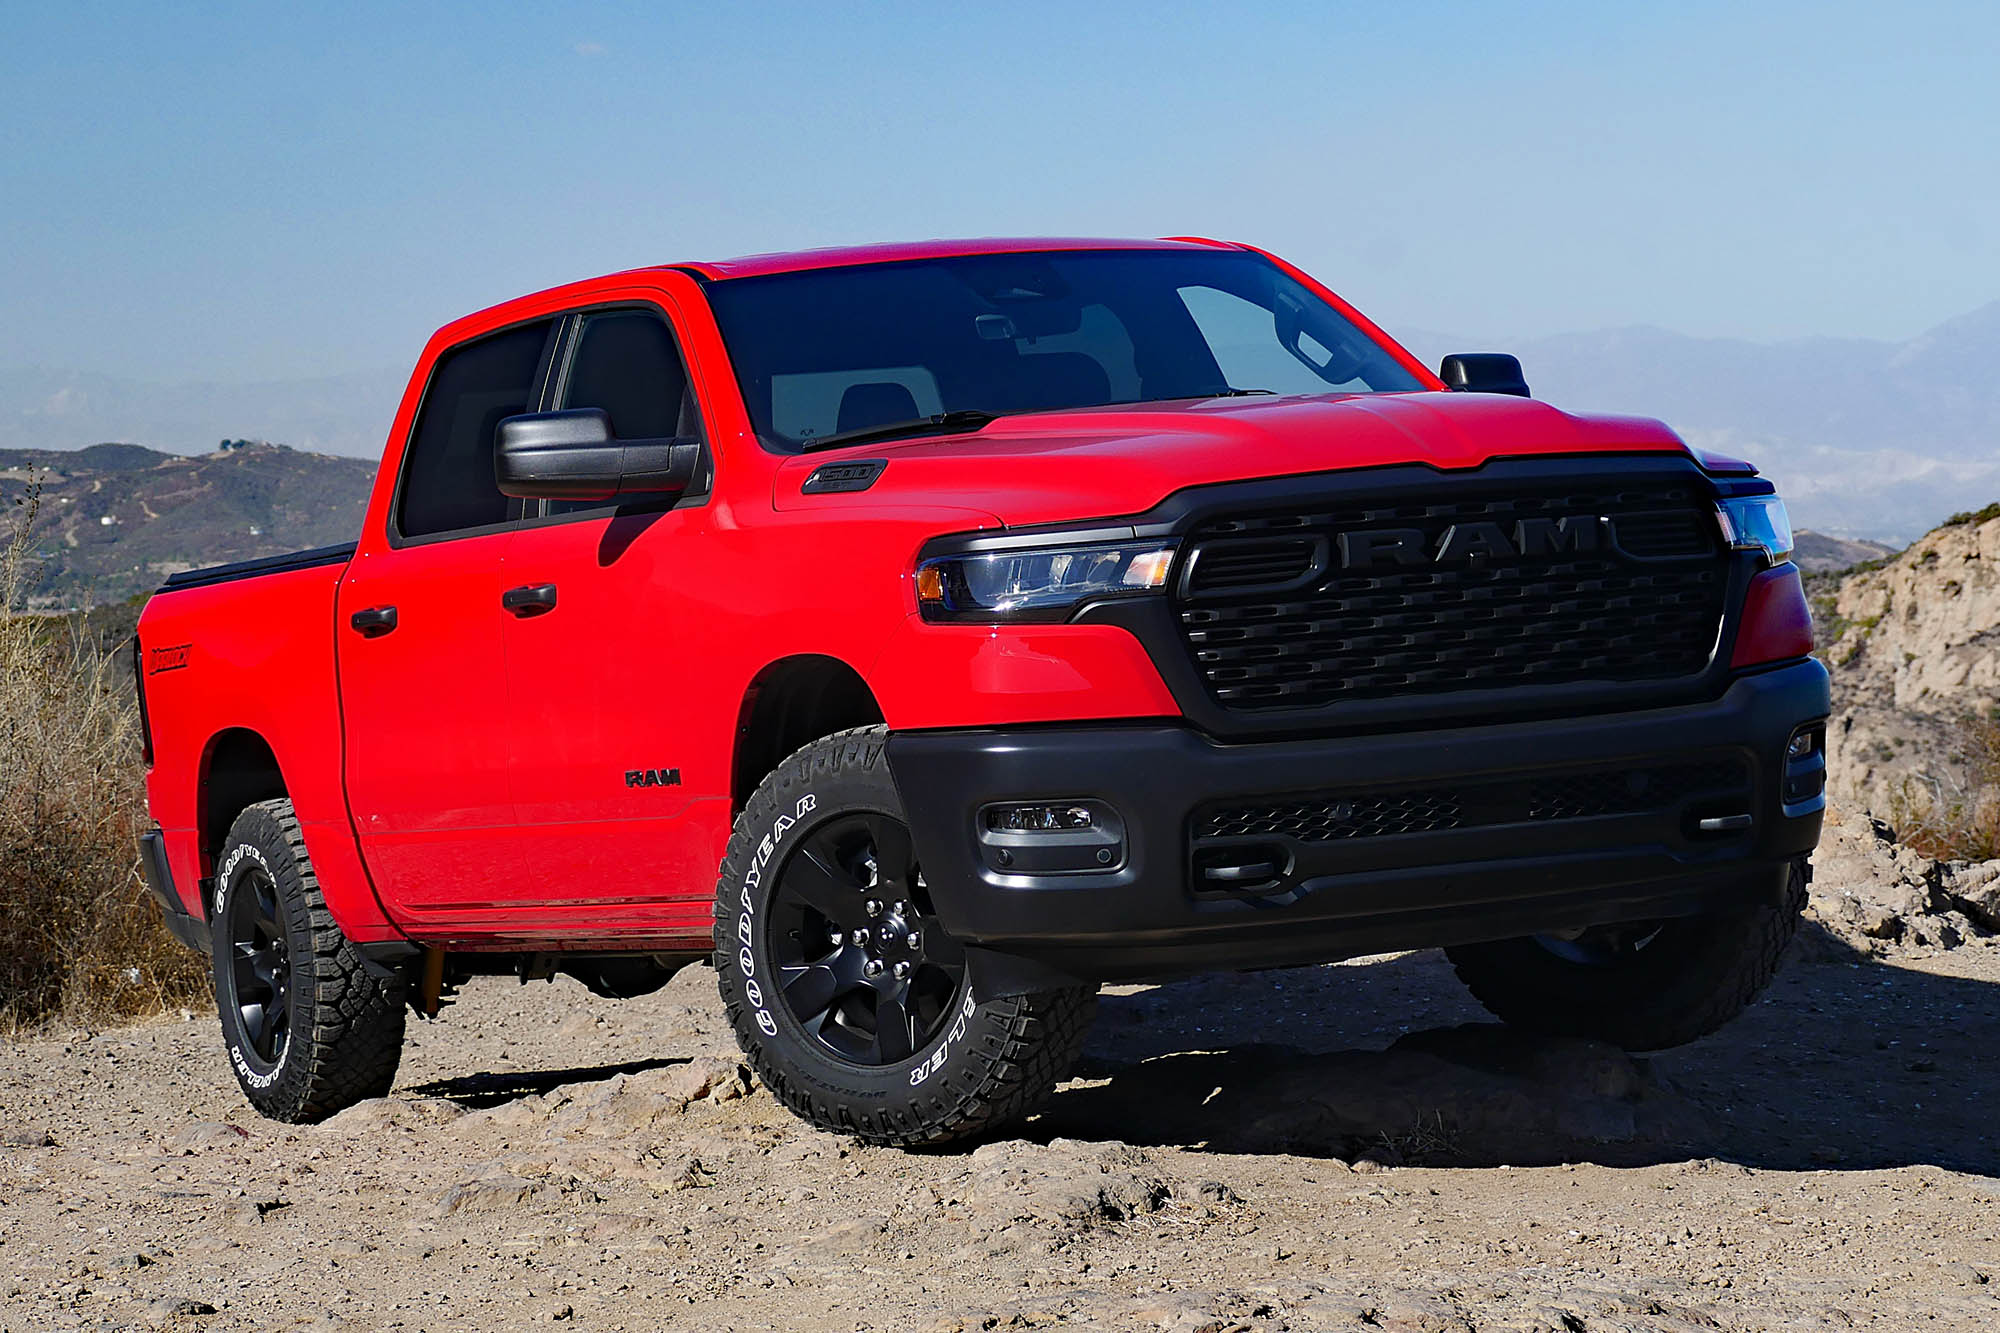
(657, 467)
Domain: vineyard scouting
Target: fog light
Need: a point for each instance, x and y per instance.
(1081, 835)
(1061, 818)
(1801, 745)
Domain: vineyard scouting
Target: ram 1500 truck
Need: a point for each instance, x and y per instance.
(930, 633)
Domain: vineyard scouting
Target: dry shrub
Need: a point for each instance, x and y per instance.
(1954, 815)
(79, 938)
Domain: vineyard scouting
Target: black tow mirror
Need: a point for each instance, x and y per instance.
(1483, 372)
(574, 456)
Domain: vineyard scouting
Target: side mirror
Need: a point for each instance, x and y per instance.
(1483, 372)
(573, 456)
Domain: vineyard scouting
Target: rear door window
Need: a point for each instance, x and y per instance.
(448, 483)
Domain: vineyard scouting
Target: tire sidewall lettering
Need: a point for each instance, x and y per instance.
(747, 899)
(935, 1061)
(225, 879)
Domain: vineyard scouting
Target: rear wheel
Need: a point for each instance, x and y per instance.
(856, 1008)
(308, 1028)
(1646, 986)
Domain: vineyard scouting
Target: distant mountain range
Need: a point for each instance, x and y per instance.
(64, 409)
(116, 519)
(1867, 439)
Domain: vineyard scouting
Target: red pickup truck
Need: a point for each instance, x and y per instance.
(930, 633)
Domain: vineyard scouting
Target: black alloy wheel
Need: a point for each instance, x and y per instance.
(863, 969)
(260, 964)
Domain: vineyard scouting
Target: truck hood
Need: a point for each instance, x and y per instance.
(1052, 467)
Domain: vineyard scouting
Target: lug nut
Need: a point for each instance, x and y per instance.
(859, 937)
(872, 968)
(834, 938)
(915, 940)
(902, 971)
(872, 907)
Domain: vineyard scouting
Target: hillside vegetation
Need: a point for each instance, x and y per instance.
(115, 519)
(79, 939)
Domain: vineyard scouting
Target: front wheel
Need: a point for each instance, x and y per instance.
(855, 1007)
(1645, 987)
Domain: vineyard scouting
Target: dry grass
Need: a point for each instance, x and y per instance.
(79, 939)
(1954, 815)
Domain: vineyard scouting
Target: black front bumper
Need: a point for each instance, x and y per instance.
(1188, 889)
(184, 926)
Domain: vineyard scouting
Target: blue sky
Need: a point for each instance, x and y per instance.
(261, 192)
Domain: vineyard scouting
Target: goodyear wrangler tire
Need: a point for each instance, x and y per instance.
(307, 1027)
(1645, 988)
(856, 1010)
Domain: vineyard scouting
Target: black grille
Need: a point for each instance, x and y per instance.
(1574, 795)
(1273, 621)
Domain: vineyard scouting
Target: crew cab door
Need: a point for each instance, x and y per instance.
(422, 680)
(601, 652)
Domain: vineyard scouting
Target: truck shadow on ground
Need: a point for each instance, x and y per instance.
(480, 1091)
(1850, 1064)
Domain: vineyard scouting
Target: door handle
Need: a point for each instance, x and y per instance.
(374, 622)
(531, 599)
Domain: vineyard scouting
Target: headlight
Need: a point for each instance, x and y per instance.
(1757, 523)
(1044, 584)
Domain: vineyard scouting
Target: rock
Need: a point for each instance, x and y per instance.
(1873, 895)
(28, 1138)
(1910, 644)
(205, 1134)
(167, 1309)
(482, 1194)
(1879, 922)
(615, 1226)
(1976, 889)
(630, 1102)
(1065, 1182)
(703, 1076)
(845, 1237)
(1217, 1193)
(378, 1113)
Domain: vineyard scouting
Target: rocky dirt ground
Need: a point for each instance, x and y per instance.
(1344, 1147)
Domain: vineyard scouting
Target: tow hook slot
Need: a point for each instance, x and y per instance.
(1713, 823)
(1250, 870)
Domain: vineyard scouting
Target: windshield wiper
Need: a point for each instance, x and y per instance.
(941, 423)
(1226, 392)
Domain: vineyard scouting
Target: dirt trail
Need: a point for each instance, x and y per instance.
(1346, 1147)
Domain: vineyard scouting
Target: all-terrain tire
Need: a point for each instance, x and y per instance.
(342, 1026)
(992, 1062)
(1695, 975)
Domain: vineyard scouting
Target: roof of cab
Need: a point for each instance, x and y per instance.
(750, 266)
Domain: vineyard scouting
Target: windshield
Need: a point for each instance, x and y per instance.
(832, 351)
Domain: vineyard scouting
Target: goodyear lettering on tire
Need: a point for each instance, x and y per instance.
(223, 879)
(746, 929)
